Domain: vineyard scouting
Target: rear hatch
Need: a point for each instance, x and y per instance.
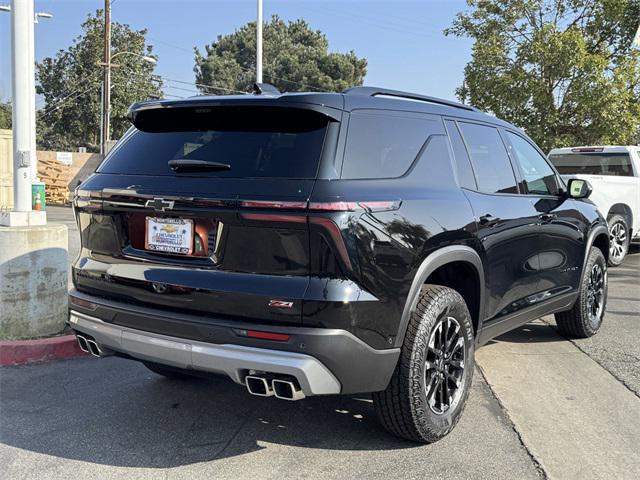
(203, 210)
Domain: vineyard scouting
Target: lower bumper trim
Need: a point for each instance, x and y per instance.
(233, 360)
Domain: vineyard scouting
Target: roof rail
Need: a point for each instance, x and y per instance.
(376, 91)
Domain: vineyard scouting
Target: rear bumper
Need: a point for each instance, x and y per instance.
(324, 361)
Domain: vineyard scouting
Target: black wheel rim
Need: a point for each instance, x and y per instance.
(617, 241)
(595, 294)
(444, 366)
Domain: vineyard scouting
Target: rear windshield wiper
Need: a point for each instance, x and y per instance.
(189, 165)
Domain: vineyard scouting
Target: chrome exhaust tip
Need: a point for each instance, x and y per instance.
(287, 390)
(82, 343)
(258, 386)
(94, 349)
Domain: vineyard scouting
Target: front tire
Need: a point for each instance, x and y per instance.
(429, 388)
(618, 240)
(585, 318)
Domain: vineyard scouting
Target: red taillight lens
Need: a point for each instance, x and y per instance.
(79, 302)
(375, 206)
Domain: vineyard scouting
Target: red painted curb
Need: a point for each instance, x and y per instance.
(20, 352)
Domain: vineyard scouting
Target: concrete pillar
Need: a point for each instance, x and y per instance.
(33, 281)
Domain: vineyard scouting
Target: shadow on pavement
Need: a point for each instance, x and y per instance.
(113, 411)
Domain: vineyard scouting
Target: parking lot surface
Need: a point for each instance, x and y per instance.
(112, 418)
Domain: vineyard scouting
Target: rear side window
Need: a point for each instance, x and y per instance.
(383, 145)
(463, 164)
(255, 142)
(614, 164)
(491, 164)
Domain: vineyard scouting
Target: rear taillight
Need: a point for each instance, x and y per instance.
(351, 206)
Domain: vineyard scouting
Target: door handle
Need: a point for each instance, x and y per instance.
(547, 217)
(488, 220)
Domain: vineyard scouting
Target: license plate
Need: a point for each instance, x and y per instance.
(169, 235)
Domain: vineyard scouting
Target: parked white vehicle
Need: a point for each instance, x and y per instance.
(614, 174)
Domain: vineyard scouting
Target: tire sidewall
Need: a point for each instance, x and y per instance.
(432, 426)
(612, 221)
(595, 256)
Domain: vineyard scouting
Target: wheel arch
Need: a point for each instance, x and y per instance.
(599, 237)
(434, 266)
(624, 210)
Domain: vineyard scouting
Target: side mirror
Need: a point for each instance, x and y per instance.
(579, 188)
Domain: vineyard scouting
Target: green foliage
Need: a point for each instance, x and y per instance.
(71, 85)
(5, 115)
(295, 58)
(563, 70)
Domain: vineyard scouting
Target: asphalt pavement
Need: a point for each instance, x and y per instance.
(111, 418)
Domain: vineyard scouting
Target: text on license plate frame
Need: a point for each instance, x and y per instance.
(182, 249)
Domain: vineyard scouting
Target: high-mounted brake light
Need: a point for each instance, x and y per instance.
(587, 150)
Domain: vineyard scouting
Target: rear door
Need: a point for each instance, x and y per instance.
(224, 232)
(507, 221)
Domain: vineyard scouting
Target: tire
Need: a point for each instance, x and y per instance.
(167, 371)
(411, 407)
(618, 240)
(585, 317)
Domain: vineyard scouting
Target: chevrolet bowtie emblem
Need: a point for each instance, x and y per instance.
(160, 204)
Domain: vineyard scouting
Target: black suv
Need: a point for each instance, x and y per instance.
(331, 243)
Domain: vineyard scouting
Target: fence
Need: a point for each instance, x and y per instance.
(60, 171)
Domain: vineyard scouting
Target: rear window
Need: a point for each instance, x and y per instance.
(255, 142)
(383, 145)
(614, 164)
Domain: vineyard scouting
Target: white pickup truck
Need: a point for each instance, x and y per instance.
(614, 174)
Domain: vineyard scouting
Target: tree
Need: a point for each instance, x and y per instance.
(71, 85)
(296, 59)
(563, 70)
(5, 115)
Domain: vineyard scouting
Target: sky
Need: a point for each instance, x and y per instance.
(401, 40)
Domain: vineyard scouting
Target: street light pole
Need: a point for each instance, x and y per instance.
(22, 81)
(106, 86)
(259, 44)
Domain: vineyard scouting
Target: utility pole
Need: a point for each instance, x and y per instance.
(259, 44)
(106, 86)
(22, 81)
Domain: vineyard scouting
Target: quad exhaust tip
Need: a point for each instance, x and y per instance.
(287, 390)
(258, 386)
(266, 386)
(89, 345)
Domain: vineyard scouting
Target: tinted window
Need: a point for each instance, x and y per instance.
(255, 142)
(538, 176)
(489, 157)
(463, 164)
(615, 164)
(383, 146)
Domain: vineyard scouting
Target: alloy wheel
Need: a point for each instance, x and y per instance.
(617, 241)
(595, 294)
(444, 367)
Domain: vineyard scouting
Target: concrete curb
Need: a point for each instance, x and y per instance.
(20, 352)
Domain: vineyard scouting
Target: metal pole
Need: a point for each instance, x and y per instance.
(106, 89)
(259, 44)
(101, 117)
(32, 97)
(21, 28)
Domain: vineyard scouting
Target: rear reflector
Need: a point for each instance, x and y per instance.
(278, 337)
